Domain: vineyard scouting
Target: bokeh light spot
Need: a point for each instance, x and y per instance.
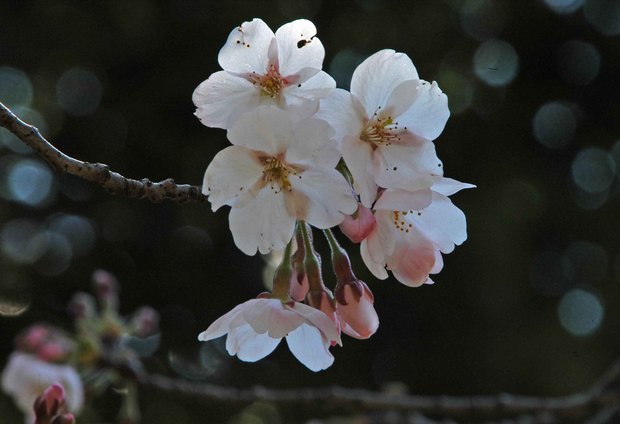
(554, 125)
(15, 88)
(57, 256)
(79, 232)
(578, 62)
(18, 242)
(496, 62)
(30, 182)
(78, 92)
(482, 19)
(604, 15)
(564, 6)
(13, 307)
(580, 312)
(593, 170)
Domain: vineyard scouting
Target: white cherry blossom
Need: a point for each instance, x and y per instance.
(385, 125)
(25, 377)
(256, 327)
(279, 170)
(408, 239)
(261, 67)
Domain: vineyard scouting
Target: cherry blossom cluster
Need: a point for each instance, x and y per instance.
(53, 370)
(305, 154)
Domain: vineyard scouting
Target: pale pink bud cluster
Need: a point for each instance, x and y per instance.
(50, 406)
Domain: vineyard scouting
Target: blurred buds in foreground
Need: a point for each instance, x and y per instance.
(49, 407)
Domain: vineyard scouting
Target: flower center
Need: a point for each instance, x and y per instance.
(270, 84)
(380, 131)
(401, 221)
(276, 173)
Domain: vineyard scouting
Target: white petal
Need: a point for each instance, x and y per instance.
(314, 146)
(247, 48)
(220, 326)
(448, 186)
(232, 177)
(271, 317)
(402, 200)
(322, 197)
(428, 113)
(222, 98)
(309, 347)
(298, 47)
(248, 345)
(343, 112)
(320, 85)
(267, 129)
(319, 319)
(443, 223)
(358, 157)
(438, 264)
(412, 165)
(375, 78)
(264, 223)
(377, 269)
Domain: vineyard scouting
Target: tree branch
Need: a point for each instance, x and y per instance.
(98, 173)
(601, 399)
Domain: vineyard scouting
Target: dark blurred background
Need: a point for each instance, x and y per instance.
(529, 304)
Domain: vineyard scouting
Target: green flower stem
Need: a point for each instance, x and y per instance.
(282, 276)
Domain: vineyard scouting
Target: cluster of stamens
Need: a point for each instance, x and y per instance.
(270, 84)
(400, 222)
(381, 130)
(276, 173)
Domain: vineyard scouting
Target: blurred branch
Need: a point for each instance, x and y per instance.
(98, 173)
(602, 399)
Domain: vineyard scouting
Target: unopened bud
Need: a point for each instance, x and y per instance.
(355, 309)
(64, 419)
(106, 287)
(82, 306)
(32, 338)
(48, 404)
(359, 225)
(145, 321)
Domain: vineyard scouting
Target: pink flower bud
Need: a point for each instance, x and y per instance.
(48, 404)
(299, 286)
(355, 309)
(146, 321)
(32, 338)
(359, 225)
(64, 419)
(53, 351)
(82, 305)
(323, 301)
(106, 287)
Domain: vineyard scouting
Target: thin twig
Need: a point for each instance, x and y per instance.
(598, 397)
(98, 173)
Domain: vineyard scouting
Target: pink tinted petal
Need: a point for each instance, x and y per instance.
(428, 113)
(413, 261)
(310, 347)
(438, 263)
(402, 200)
(375, 79)
(222, 98)
(358, 157)
(248, 345)
(247, 48)
(448, 186)
(232, 176)
(298, 47)
(359, 314)
(322, 197)
(220, 326)
(358, 228)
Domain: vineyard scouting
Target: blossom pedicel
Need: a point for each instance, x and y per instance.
(305, 154)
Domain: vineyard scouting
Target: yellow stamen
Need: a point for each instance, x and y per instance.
(276, 173)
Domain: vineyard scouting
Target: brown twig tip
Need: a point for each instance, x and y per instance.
(98, 173)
